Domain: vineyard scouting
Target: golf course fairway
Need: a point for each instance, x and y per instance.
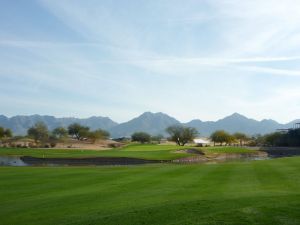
(254, 192)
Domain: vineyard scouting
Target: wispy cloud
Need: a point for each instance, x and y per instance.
(268, 70)
(159, 49)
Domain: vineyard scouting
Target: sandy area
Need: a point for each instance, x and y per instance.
(99, 145)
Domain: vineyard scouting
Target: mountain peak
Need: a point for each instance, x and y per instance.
(152, 114)
(268, 121)
(155, 117)
(148, 113)
(152, 123)
(235, 116)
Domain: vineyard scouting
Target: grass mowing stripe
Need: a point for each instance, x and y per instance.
(243, 180)
(153, 194)
(79, 178)
(288, 176)
(173, 183)
(222, 211)
(269, 174)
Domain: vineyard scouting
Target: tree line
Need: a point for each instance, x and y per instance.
(222, 137)
(179, 134)
(42, 136)
(182, 135)
(291, 138)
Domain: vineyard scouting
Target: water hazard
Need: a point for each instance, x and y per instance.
(11, 161)
(100, 161)
(97, 161)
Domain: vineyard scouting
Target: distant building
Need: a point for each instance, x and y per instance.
(202, 141)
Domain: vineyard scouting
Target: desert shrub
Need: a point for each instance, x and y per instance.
(181, 135)
(53, 144)
(31, 145)
(114, 145)
(141, 137)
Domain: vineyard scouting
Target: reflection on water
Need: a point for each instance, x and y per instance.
(11, 161)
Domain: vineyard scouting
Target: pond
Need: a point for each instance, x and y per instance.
(100, 161)
(11, 161)
(97, 161)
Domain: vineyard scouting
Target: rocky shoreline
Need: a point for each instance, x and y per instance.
(223, 157)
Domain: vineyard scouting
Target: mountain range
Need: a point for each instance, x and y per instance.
(153, 123)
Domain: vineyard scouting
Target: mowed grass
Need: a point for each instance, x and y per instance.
(146, 151)
(256, 192)
(143, 151)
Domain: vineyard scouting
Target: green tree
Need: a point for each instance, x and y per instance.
(77, 131)
(274, 139)
(241, 137)
(230, 139)
(98, 135)
(60, 133)
(293, 137)
(142, 137)
(1, 132)
(39, 132)
(221, 136)
(257, 140)
(157, 138)
(8, 133)
(5, 133)
(181, 135)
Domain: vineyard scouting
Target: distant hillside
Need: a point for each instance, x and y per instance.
(235, 123)
(20, 124)
(153, 123)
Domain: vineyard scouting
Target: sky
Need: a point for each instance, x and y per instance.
(191, 59)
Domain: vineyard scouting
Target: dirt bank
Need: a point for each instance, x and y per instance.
(190, 151)
(223, 157)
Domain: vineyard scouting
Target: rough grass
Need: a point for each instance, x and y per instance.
(256, 192)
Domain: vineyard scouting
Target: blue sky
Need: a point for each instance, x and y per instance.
(190, 59)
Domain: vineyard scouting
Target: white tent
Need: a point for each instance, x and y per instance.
(201, 141)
